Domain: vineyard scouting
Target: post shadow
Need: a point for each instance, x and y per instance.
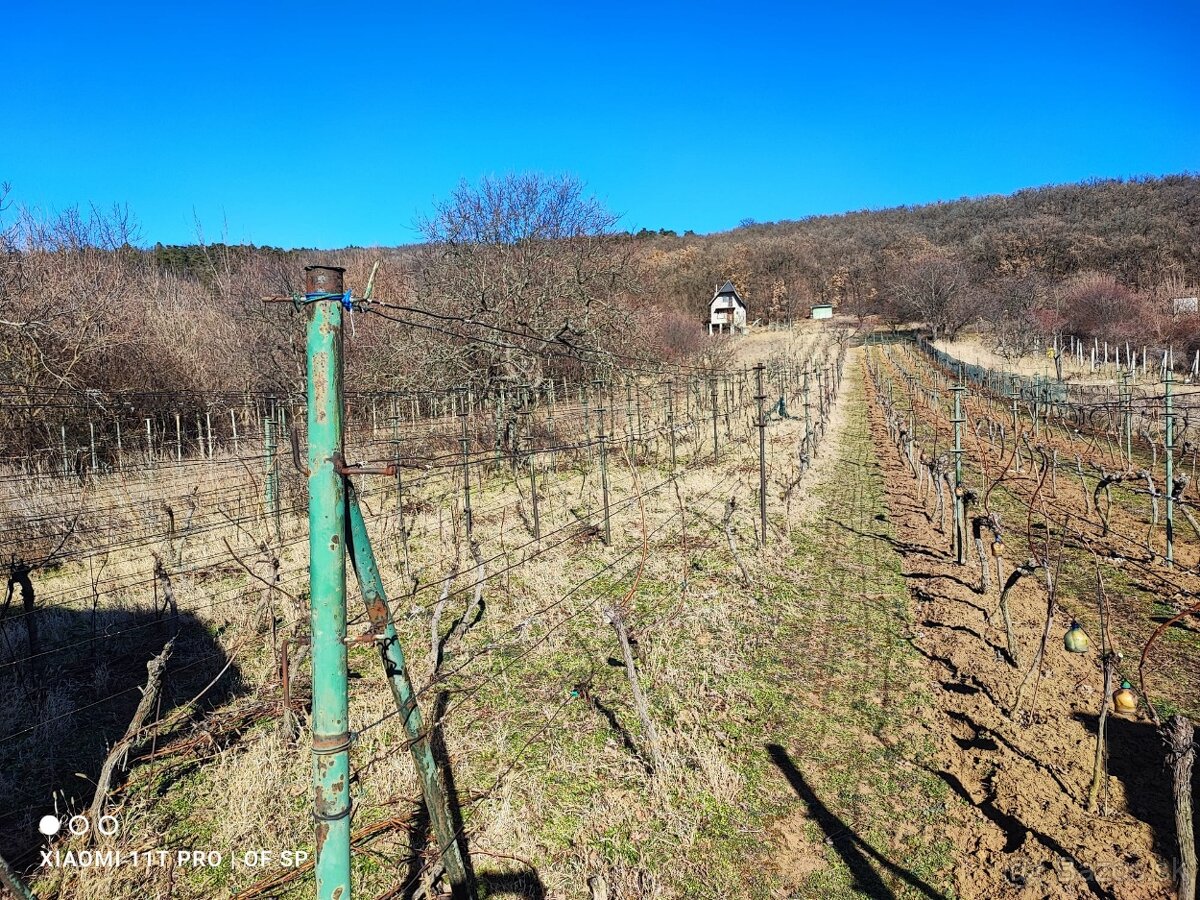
(63, 711)
(525, 883)
(855, 852)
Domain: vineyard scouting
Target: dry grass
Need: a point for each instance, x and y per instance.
(548, 757)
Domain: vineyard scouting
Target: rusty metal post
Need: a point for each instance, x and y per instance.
(327, 577)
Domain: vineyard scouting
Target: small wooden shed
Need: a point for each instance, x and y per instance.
(727, 309)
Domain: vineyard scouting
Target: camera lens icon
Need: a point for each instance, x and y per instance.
(49, 825)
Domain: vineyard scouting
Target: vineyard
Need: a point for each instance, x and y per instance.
(835, 614)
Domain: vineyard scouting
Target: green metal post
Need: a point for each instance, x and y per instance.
(327, 584)
(13, 882)
(392, 654)
(1169, 447)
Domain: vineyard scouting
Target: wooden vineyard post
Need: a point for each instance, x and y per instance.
(958, 479)
(629, 415)
(465, 443)
(807, 419)
(671, 419)
(1169, 460)
(712, 396)
(762, 456)
(604, 476)
(272, 471)
(533, 491)
(587, 419)
(1127, 417)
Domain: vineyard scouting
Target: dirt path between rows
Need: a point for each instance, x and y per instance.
(1027, 833)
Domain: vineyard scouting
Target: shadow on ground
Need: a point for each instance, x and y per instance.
(68, 689)
(1137, 757)
(864, 861)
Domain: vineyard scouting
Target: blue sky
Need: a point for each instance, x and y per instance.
(324, 125)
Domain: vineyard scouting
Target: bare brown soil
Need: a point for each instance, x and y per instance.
(1027, 833)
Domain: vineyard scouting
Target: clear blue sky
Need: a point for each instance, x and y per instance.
(330, 124)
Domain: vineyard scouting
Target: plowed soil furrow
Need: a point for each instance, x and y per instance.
(1027, 777)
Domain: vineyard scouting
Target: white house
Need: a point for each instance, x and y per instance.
(727, 310)
(822, 311)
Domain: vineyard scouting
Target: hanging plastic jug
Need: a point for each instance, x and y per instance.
(1124, 699)
(1076, 639)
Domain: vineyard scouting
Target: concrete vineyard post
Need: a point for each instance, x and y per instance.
(327, 583)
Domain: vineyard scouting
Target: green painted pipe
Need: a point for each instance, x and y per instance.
(327, 598)
(375, 598)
